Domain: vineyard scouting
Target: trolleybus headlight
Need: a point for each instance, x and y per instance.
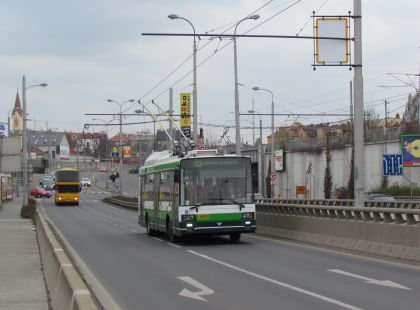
(190, 225)
(248, 215)
(188, 217)
(248, 223)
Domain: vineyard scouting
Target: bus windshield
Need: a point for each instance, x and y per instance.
(67, 189)
(216, 180)
(67, 176)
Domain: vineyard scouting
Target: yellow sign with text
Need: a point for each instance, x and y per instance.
(185, 108)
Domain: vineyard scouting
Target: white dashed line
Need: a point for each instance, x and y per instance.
(276, 282)
(174, 245)
(157, 239)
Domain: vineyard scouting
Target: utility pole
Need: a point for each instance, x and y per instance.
(386, 114)
(171, 109)
(261, 164)
(359, 165)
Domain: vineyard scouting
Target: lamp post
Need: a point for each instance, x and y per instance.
(235, 64)
(106, 148)
(195, 117)
(24, 140)
(272, 134)
(121, 151)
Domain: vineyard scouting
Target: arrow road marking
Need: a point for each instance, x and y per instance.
(203, 290)
(386, 283)
(276, 282)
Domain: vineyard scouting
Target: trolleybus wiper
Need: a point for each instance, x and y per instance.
(241, 205)
(196, 206)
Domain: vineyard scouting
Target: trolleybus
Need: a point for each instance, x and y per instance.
(67, 186)
(199, 193)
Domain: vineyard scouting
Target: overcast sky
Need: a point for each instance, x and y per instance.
(92, 50)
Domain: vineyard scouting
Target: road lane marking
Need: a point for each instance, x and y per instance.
(157, 239)
(174, 245)
(279, 283)
(386, 283)
(203, 290)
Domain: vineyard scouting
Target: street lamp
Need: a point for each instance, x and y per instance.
(121, 151)
(272, 134)
(25, 142)
(195, 118)
(237, 123)
(106, 146)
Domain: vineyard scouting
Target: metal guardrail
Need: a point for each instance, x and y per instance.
(121, 203)
(398, 212)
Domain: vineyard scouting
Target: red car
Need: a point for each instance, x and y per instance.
(38, 192)
(103, 169)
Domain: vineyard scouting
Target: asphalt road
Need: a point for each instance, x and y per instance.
(141, 272)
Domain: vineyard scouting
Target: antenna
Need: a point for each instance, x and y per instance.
(155, 119)
(179, 149)
(170, 119)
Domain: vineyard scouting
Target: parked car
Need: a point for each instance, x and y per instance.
(85, 181)
(39, 192)
(103, 169)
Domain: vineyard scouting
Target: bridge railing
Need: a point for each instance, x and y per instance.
(398, 212)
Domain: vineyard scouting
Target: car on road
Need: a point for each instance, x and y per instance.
(48, 184)
(39, 192)
(46, 178)
(380, 197)
(103, 169)
(85, 182)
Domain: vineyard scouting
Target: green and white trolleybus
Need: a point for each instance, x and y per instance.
(199, 193)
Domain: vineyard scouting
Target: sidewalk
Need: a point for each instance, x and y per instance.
(22, 284)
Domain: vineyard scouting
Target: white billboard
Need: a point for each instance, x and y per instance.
(330, 51)
(10, 155)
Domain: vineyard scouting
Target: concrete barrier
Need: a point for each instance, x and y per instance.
(66, 287)
(389, 240)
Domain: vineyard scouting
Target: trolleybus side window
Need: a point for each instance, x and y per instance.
(148, 187)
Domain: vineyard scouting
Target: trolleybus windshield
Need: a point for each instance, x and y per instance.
(219, 180)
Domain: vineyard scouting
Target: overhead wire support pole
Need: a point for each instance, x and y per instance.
(359, 165)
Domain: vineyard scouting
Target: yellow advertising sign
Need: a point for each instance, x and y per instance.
(185, 108)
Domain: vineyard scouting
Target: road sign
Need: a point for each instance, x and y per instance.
(392, 164)
(273, 176)
(74, 137)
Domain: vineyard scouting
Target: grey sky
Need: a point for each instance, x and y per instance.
(89, 51)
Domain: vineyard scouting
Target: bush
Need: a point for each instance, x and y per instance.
(28, 212)
(398, 190)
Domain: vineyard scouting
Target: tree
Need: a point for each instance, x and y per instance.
(327, 175)
(372, 118)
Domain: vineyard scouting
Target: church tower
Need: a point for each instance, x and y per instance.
(17, 118)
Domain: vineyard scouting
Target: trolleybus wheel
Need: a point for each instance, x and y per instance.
(170, 233)
(235, 236)
(148, 230)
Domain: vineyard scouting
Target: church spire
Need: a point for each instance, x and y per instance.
(18, 107)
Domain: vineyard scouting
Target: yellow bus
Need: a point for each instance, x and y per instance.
(67, 186)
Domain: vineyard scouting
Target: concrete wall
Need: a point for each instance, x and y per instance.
(297, 164)
(396, 241)
(65, 286)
